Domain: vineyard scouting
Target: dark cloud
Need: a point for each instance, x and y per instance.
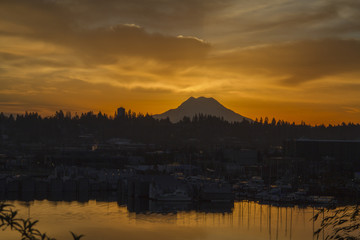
(163, 15)
(283, 18)
(56, 24)
(297, 62)
(268, 22)
(134, 41)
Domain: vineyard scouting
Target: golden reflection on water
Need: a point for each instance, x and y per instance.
(108, 220)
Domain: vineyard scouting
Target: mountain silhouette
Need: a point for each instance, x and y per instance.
(201, 105)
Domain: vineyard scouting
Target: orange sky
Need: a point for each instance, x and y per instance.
(288, 59)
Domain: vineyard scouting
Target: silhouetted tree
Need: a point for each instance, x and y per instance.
(339, 223)
(26, 227)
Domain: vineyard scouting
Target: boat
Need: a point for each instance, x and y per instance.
(179, 195)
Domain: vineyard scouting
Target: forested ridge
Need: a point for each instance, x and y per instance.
(62, 128)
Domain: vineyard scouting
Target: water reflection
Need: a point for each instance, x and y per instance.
(139, 219)
(139, 205)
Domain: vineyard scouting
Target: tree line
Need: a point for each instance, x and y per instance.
(65, 128)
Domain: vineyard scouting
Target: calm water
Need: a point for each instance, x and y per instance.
(108, 220)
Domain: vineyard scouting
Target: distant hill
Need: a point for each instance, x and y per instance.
(203, 105)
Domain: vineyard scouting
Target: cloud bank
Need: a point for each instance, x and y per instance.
(256, 56)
